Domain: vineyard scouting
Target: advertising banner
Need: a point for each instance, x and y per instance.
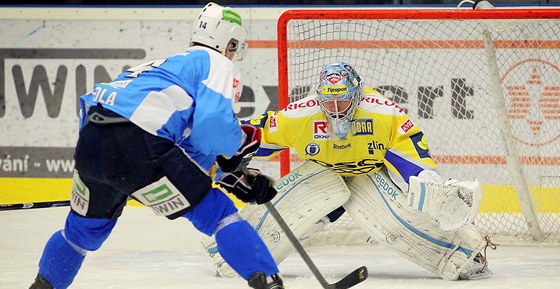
(49, 57)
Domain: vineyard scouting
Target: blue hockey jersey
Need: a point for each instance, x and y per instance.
(186, 98)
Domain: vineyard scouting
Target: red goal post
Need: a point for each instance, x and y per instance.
(457, 72)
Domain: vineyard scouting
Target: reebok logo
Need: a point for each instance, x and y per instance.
(342, 147)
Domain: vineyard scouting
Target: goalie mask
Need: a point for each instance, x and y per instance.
(220, 28)
(340, 93)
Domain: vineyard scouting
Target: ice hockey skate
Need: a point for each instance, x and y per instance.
(260, 281)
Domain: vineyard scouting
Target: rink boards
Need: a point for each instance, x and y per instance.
(47, 62)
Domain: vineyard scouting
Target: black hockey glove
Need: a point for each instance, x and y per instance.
(243, 156)
(249, 186)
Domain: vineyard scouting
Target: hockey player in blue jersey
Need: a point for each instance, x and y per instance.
(159, 133)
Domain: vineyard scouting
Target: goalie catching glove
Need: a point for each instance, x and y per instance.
(249, 185)
(453, 204)
(243, 156)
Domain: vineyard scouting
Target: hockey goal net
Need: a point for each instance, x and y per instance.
(484, 85)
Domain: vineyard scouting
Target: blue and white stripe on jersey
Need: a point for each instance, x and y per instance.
(186, 98)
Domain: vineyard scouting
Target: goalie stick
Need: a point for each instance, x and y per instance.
(348, 281)
(36, 205)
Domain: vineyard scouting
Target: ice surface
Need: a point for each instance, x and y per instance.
(146, 251)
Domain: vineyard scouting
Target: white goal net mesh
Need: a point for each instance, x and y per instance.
(441, 73)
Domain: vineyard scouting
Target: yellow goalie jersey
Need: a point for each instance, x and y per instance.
(381, 133)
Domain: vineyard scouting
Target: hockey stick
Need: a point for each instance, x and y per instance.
(36, 205)
(348, 281)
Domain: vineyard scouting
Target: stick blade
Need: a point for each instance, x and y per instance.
(352, 279)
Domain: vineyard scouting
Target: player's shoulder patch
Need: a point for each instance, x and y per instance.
(374, 101)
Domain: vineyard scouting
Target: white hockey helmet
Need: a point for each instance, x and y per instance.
(220, 28)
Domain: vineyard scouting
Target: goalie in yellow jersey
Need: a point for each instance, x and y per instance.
(365, 156)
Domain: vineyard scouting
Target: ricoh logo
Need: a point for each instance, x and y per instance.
(401, 98)
(29, 71)
(298, 105)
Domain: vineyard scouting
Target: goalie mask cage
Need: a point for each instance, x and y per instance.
(483, 85)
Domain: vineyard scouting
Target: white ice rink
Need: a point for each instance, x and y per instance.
(145, 251)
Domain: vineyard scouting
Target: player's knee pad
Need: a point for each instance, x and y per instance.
(213, 209)
(86, 233)
(380, 208)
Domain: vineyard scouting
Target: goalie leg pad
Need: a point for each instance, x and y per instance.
(305, 197)
(380, 208)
